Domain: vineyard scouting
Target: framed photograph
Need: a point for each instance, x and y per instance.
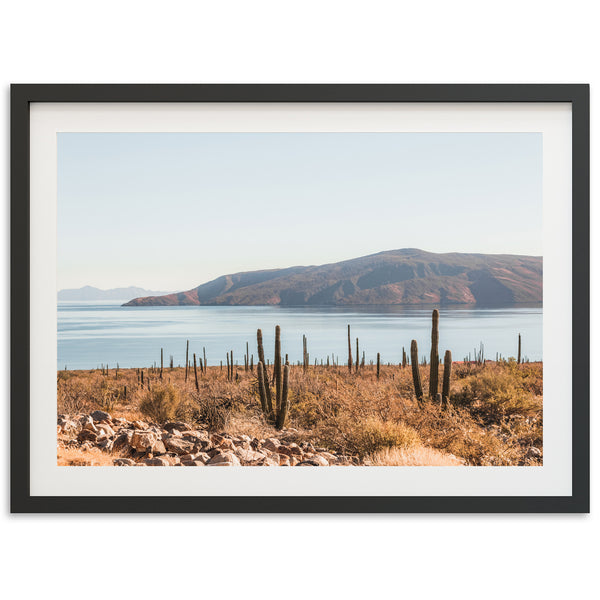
(385, 284)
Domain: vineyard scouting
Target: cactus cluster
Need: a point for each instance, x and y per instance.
(305, 355)
(444, 398)
(281, 374)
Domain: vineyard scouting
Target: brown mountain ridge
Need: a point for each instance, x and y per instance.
(407, 276)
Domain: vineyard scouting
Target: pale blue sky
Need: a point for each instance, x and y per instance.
(169, 211)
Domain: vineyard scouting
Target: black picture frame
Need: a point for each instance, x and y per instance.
(22, 95)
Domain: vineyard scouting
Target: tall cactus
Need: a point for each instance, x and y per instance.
(277, 368)
(414, 359)
(349, 352)
(265, 374)
(283, 408)
(261, 390)
(446, 381)
(161, 363)
(196, 374)
(378, 364)
(434, 359)
(187, 352)
(519, 355)
(277, 414)
(304, 353)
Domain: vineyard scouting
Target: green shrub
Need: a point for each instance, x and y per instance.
(160, 403)
(495, 395)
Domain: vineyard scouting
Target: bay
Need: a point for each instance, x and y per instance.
(94, 333)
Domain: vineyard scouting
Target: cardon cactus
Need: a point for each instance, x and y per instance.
(187, 358)
(261, 390)
(446, 381)
(196, 374)
(349, 351)
(281, 375)
(265, 374)
(414, 359)
(434, 359)
(277, 367)
(282, 411)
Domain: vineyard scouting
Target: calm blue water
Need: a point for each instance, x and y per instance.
(94, 333)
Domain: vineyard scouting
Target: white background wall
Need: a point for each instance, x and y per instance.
(467, 556)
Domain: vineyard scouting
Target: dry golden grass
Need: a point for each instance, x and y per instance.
(77, 457)
(495, 416)
(417, 456)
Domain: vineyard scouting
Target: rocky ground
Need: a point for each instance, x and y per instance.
(137, 443)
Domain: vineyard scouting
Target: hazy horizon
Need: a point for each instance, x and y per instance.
(172, 211)
(133, 285)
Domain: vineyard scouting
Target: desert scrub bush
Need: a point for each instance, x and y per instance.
(73, 396)
(373, 435)
(495, 394)
(215, 413)
(160, 403)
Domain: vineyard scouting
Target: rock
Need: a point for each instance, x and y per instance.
(267, 461)
(293, 461)
(291, 450)
(147, 441)
(271, 444)
(534, 452)
(87, 423)
(227, 445)
(179, 425)
(330, 458)
(225, 459)
(100, 415)
(123, 462)
(342, 461)
(314, 460)
(172, 460)
(122, 440)
(140, 425)
(178, 445)
(159, 447)
(202, 457)
(105, 444)
(248, 455)
(66, 425)
(86, 435)
(156, 462)
(107, 429)
(192, 463)
(284, 460)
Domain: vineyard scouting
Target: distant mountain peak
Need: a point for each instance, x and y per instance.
(405, 276)
(88, 292)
